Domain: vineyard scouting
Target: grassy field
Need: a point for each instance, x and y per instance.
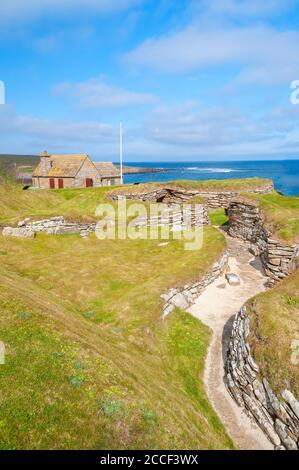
(89, 362)
(281, 214)
(275, 334)
(77, 204)
(25, 163)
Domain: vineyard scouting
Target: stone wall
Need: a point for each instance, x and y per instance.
(196, 216)
(87, 170)
(185, 296)
(278, 417)
(174, 216)
(168, 194)
(246, 221)
(52, 226)
(221, 199)
(19, 232)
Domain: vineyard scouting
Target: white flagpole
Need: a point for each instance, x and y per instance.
(121, 151)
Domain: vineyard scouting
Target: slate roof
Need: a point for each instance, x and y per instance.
(69, 165)
(107, 169)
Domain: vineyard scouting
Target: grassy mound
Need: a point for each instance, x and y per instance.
(275, 334)
(89, 362)
(242, 184)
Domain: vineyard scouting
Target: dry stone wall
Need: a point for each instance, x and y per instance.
(52, 226)
(177, 219)
(184, 297)
(19, 232)
(246, 221)
(278, 417)
(195, 215)
(213, 198)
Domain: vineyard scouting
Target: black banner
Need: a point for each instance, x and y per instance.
(134, 459)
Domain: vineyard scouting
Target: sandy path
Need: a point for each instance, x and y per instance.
(216, 307)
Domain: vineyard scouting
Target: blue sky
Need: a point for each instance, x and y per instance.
(191, 80)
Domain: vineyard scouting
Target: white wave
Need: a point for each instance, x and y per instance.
(212, 170)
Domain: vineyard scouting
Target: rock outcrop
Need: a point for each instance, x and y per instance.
(278, 418)
(247, 221)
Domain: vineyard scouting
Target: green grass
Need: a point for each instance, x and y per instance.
(218, 217)
(274, 338)
(281, 214)
(5, 176)
(89, 362)
(241, 184)
(77, 204)
(227, 184)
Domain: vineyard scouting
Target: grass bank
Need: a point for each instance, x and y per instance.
(274, 335)
(89, 362)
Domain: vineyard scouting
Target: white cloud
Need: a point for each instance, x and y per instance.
(21, 10)
(243, 8)
(193, 130)
(192, 125)
(95, 93)
(264, 54)
(45, 132)
(185, 131)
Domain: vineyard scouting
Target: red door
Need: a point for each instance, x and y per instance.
(60, 183)
(52, 183)
(89, 182)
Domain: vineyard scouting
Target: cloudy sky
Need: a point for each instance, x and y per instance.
(190, 79)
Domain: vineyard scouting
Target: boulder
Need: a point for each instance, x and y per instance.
(179, 300)
(233, 279)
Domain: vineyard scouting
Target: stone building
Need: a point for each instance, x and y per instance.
(73, 171)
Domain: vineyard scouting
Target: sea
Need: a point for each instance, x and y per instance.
(284, 173)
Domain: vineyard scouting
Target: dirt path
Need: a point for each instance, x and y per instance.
(216, 307)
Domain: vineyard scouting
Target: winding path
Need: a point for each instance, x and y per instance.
(217, 307)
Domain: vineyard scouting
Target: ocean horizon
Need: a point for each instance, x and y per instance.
(284, 173)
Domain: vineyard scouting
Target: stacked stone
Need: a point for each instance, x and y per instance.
(280, 260)
(52, 226)
(19, 232)
(247, 222)
(164, 194)
(279, 419)
(214, 198)
(183, 298)
(189, 216)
